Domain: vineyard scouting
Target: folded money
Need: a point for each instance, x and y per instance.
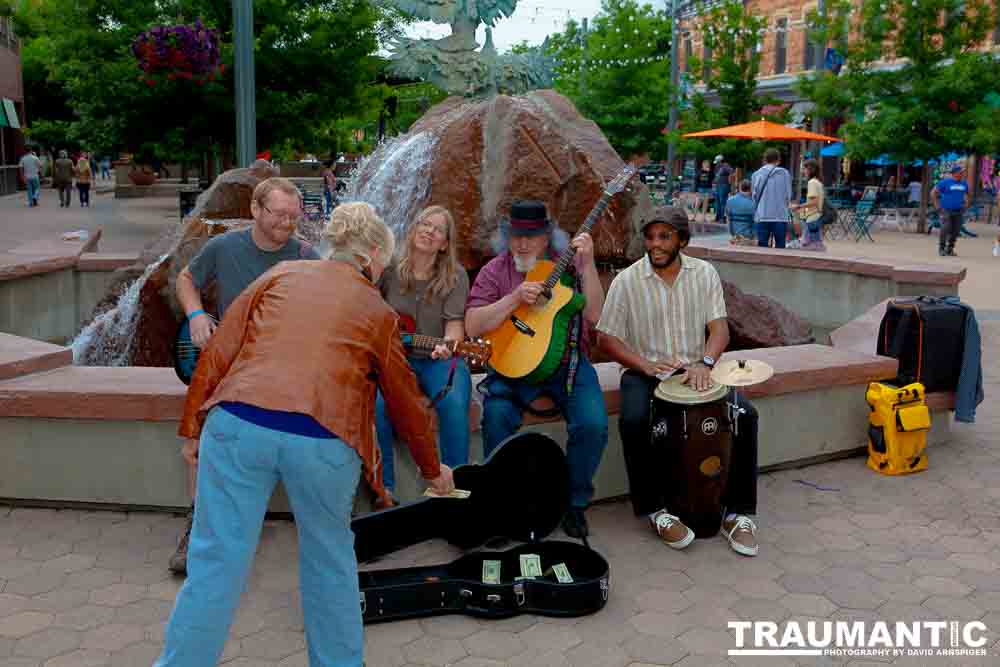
(531, 565)
(457, 493)
(491, 572)
(562, 573)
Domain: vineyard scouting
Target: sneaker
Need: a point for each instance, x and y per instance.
(178, 562)
(671, 530)
(574, 523)
(996, 249)
(942, 252)
(742, 535)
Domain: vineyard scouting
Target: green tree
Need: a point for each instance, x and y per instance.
(313, 59)
(617, 74)
(731, 35)
(932, 100)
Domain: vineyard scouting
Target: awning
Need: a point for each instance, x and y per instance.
(8, 106)
(833, 150)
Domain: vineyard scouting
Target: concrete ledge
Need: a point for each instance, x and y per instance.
(105, 261)
(928, 274)
(22, 356)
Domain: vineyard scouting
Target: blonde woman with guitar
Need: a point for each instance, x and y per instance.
(427, 287)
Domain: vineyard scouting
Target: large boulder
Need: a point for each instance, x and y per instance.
(760, 321)
(476, 156)
(136, 323)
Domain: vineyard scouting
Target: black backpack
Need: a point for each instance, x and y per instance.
(828, 215)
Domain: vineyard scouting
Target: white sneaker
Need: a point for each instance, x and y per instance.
(996, 249)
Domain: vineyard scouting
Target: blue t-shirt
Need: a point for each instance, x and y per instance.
(951, 193)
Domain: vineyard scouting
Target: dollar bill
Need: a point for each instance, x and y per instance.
(491, 572)
(562, 573)
(531, 565)
(457, 493)
(522, 578)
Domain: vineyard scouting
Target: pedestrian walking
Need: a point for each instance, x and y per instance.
(84, 176)
(951, 198)
(723, 186)
(31, 172)
(62, 178)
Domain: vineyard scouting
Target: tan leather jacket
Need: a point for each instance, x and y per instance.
(315, 337)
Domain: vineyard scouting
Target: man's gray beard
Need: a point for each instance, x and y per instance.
(524, 265)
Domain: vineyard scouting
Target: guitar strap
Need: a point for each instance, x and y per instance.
(575, 333)
(443, 391)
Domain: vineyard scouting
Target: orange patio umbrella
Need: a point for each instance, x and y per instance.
(763, 130)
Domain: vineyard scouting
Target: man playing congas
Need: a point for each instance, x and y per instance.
(653, 323)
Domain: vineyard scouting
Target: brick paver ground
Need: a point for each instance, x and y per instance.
(838, 542)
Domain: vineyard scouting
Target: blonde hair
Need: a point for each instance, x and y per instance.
(354, 229)
(269, 185)
(444, 271)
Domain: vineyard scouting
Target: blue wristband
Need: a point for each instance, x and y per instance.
(196, 314)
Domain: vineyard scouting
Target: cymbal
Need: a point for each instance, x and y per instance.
(741, 372)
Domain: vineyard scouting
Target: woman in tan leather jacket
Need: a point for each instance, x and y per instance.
(285, 390)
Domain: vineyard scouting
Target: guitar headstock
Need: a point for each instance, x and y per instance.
(476, 351)
(619, 182)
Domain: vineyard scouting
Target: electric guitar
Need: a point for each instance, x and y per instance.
(531, 342)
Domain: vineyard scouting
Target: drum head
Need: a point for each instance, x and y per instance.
(673, 390)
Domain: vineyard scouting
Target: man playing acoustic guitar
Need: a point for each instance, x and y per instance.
(234, 260)
(500, 289)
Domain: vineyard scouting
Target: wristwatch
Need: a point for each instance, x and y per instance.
(708, 361)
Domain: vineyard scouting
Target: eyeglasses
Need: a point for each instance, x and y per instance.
(284, 217)
(440, 230)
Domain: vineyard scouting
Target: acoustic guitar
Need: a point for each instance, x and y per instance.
(476, 351)
(530, 344)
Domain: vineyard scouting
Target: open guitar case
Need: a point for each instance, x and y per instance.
(519, 493)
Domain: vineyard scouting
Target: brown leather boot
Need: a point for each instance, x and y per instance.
(178, 562)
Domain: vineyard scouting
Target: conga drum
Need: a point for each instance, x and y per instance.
(693, 432)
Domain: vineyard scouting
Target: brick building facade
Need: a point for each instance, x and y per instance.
(11, 100)
(785, 52)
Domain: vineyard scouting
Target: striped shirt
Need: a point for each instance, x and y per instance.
(660, 322)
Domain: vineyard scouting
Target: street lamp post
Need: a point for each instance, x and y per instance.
(246, 107)
(672, 7)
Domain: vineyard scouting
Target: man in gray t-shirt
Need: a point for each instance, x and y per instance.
(234, 260)
(772, 192)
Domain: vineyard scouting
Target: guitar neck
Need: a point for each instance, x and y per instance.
(428, 343)
(570, 252)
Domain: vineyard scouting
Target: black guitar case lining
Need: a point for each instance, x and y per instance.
(390, 595)
(520, 493)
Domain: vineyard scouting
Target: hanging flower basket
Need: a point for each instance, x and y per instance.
(171, 52)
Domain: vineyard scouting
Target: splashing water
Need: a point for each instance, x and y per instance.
(108, 340)
(395, 179)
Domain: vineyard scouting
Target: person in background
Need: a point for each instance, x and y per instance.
(62, 178)
(106, 167)
(772, 193)
(31, 172)
(723, 186)
(329, 185)
(811, 212)
(261, 405)
(427, 287)
(739, 212)
(84, 176)
(951, 198)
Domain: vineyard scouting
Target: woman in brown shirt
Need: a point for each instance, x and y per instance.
(285, 389)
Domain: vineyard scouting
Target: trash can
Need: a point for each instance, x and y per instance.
(187, 198)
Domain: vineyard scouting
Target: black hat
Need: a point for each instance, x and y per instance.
(528, 218)
(668, 215)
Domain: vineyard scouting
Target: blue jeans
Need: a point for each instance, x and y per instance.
(771, 228)
(721, 196)
(452, 412)
(34, 185)
(239, 465)
(328, 198)
(583, 409)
